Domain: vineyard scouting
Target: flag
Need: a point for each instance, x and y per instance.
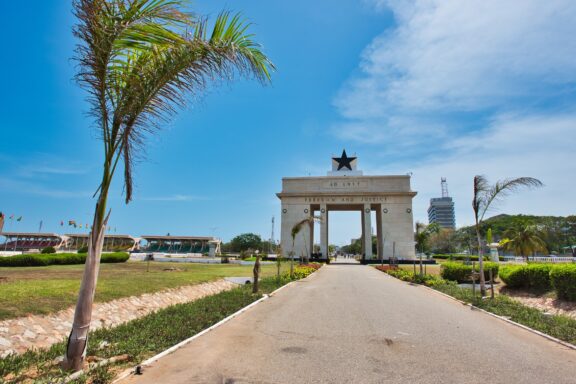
(19, 219)
(61, 223)
(80, 226)
(40, 226)
(11, 216)
(72, 222)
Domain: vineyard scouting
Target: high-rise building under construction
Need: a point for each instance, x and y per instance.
(441, 209)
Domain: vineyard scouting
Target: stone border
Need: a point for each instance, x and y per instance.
(545, 335)
(181, 344)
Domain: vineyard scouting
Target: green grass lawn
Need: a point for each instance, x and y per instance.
(43, 290)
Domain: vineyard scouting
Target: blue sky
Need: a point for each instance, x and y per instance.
(439, 88)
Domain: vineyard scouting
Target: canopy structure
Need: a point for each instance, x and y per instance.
(182, 244)
(112, 243)
(27, 241)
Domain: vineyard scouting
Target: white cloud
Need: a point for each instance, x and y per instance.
(512, 146)
(447, 56)
(459, 88)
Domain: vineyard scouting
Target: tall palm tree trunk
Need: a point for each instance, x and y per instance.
(78, 339)
(480, 262)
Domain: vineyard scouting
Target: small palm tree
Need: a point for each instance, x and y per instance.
(139, 60)
(309, 221)
(423, 233)
(485, 195)
(524, 240)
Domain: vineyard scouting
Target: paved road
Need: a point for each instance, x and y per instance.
(354, 324)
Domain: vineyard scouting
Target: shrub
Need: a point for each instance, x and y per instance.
(458, 257)
(563, 278)
(301, 271)
(385, 268)
(48, 250)
(462, 273)
(84, 249)
(532, 276)
(116, 257)
(404, 275)
(58, 259)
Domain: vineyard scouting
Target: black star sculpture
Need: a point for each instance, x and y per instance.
(344, 161)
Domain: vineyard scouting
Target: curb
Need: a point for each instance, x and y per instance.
(181, 344)
(507, 320)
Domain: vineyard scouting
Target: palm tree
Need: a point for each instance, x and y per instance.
(139, 60)
(484, 196)
(423, 233)
(294, 232)
(524, 240)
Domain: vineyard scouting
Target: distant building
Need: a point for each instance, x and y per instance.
(441, 209)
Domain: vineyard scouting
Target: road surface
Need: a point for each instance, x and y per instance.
(354, 324)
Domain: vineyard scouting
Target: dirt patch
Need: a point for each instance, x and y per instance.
(546, 302)
(294, 350)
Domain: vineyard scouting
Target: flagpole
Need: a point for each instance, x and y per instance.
(6, 243)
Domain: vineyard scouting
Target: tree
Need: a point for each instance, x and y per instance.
(138, 61)
(423, 233)
(524, 240)
(245, 242)
(309, 221)
(485, 195)
(442, 242)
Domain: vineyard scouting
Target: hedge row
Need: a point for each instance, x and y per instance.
(462, 272)
(561, 277)
(458, 257)
(302, 271)
(409, 276)
(532, 276)
(39, 260)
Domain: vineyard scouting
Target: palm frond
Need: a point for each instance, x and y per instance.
(485, 196)
(139, 63)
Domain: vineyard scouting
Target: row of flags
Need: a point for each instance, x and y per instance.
(71, 223)
(11, 217)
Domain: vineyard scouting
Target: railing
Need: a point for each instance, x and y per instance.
(541, 259)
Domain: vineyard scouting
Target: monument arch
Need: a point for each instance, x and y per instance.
(345, 188)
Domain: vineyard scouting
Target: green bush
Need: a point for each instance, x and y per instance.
(563, 278)
(48, 250)
(404, 275)
(58, 259)
(462, 273)
(301, 271)
(84, 249)
(531, 276)
(458, 257)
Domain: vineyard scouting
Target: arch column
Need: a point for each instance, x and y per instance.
(367, 231)
(324, 231)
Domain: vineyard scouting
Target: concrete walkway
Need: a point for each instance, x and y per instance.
(354, 324)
